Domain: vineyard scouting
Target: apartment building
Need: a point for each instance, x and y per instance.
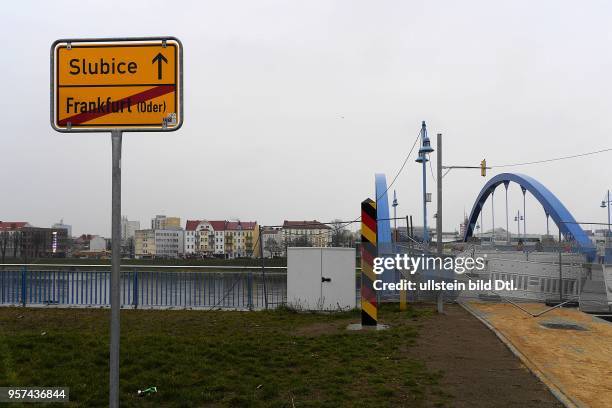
(199, 238)
(169, 243)
(159, 243)
(10, 238)
(241, 239)
(190, 238)
(21, 240)
(161, 222)
(306, 233)
(128, 228)
(222, 239)
(144, 244)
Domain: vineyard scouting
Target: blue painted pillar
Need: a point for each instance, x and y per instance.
(384, 242)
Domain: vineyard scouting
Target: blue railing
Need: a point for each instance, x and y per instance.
(173, 288)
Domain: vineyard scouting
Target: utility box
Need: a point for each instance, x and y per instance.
(321, 278)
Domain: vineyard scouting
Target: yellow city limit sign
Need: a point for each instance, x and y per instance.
(125, 84)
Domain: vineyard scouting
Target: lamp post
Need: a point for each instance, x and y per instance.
(394, 217)
(606, 203)
(518, 218)
(423, 151)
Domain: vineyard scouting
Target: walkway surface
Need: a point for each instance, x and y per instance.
(572, 355)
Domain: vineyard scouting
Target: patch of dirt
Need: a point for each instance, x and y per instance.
(479, 370)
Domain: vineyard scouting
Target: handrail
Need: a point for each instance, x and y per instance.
(230, 267)
(489, 258)
(243, 267)
(540, 313)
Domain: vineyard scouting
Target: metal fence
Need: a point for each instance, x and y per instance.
(159, 288)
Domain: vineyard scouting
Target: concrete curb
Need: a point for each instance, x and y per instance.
(554, 389)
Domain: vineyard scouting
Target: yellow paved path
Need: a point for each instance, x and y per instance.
(579, 363)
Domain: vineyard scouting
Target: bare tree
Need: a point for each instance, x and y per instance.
(341, 236)
(4, 240)
(302, 241)
(17, 238)
(273, 246)
(298, 241)
(39, 243)
(23, 247)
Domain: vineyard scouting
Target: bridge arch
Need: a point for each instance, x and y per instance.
(552, 206)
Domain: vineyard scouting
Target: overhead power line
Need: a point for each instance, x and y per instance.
(347, 223)
(402, 167)
(553, 159)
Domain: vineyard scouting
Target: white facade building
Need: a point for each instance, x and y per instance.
(219, 243)
(169, 243)
(97, 244)
(199, 238)
(190, 242)
(128, 228)
(227, 239)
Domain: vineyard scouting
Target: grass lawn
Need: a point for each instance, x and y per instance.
(219, 358)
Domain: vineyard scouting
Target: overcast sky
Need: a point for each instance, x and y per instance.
(292, 106)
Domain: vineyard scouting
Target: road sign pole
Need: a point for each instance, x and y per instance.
(115, 271)
(116, 85)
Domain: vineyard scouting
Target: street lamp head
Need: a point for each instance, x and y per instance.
(425, 142)
(420, 158)
(603, 204)
(426, 146)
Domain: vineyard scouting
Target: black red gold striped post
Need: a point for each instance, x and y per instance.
(369, 251)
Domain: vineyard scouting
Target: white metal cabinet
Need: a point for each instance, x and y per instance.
(321, 278)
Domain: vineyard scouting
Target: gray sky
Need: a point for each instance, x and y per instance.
(292, 106)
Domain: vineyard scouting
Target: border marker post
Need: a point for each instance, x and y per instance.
(369, 251)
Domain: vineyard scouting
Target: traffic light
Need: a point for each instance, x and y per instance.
(483, 168)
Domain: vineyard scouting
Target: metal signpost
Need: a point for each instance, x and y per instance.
(116, 85)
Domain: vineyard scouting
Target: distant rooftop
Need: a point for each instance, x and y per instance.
(224, 225)
(314, 224)
(13, 225)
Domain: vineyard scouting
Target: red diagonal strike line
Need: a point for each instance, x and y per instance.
(133, 100)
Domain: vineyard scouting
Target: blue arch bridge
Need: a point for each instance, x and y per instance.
(539, 273)
(569, 228)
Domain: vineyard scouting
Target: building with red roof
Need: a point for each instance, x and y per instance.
(223, 239)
